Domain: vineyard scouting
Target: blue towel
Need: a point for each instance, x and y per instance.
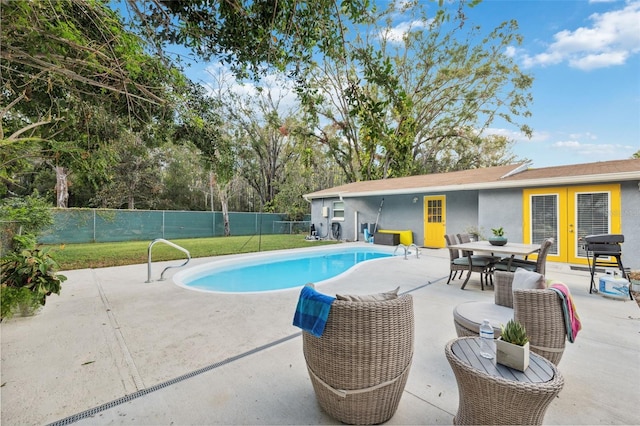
(312, 310)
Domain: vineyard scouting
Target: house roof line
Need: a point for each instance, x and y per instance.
(518, 183)
(521, 168)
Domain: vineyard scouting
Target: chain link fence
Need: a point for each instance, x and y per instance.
(105, 225)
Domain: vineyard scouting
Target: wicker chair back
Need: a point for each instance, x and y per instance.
(360, 365)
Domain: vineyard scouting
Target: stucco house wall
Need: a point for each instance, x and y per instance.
(630, 220)
(483, 198)
(461, 212)
(399, 212)
(501, 208)
(322, 224)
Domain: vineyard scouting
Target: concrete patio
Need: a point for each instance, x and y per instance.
(112, 349)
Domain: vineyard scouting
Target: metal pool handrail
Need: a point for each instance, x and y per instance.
(162, 240)
(407, 250)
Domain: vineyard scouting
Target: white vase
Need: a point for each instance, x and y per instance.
(514, 356)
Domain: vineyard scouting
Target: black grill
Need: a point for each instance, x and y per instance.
(607, 244)
(604, 246)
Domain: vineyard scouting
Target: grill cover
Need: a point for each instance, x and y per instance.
(606, 244)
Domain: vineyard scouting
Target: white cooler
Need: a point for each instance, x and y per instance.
(613, 287)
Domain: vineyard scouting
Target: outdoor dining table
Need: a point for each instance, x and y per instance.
(511, 249)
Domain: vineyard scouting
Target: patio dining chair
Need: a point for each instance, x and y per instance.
(466, 238)
(539, 265)
(480, 264)
(360, 364)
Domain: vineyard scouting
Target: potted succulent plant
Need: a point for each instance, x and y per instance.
(28, 275)
(512, 348)
(498, 238)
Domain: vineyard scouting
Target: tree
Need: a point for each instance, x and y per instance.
(264, 130)
(202, 125)
(469, 150)
(135, 179)
(395, 105)
(64, 64)
(185, 183)
(249, 35)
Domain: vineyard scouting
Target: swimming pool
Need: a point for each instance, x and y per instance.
(276, 271)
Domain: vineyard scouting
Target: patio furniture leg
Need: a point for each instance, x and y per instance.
(624, 275)
(592, 269)
(467, 280)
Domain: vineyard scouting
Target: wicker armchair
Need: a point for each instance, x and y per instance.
(540, 311)
(360, 365)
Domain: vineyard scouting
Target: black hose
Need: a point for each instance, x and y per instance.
(336, 230)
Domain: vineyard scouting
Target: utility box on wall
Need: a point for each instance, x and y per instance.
(325, 211)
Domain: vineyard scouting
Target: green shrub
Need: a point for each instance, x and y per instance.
(32, 213)
(29, 268)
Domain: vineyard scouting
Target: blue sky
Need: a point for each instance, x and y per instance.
(584, 56)
(585, 60)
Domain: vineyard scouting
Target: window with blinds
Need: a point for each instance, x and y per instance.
(544, 220)
(592, 215)
(338, 210)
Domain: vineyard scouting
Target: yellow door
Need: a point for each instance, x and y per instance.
(593, 209)
(434, 221)
(568, 214)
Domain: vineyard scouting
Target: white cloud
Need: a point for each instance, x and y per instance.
(594, 151)
(613, 37)
(517, 136)
(280, 88)
(601, 60)
(586, 135)
(567, 144)
(396, 34)
(511, 51)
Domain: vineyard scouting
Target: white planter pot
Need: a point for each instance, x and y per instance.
(514, 356)
(25, 310)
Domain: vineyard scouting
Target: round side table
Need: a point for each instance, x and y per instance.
(491, 393)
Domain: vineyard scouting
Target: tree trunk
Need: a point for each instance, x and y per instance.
(224, 201)
(223, 194)
(62, 187)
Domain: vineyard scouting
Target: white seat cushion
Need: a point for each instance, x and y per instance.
(471, 314)
(380, 297)
(527, 280)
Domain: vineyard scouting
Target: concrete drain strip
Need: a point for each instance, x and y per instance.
(127, 398)
(142, 392)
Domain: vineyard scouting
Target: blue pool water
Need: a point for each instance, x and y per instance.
(275, 272)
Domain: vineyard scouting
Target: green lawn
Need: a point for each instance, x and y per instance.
(99, 255)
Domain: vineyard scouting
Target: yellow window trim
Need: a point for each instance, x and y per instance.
(567, 215)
